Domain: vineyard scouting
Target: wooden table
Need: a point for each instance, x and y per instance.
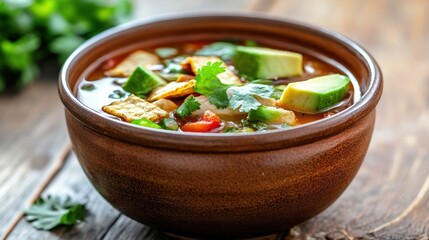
(388, 199)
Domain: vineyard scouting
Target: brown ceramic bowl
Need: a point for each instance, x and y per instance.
(222, 185)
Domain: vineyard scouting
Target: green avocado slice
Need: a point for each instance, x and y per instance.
(272, 115)
(315, 94)
(258, 62)
(142, 81)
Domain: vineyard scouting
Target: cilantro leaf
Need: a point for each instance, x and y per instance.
(48, 213)
(243, 97)
(190, 105)
(224, 50)
(207, 83)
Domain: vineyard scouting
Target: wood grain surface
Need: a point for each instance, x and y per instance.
(388, 199)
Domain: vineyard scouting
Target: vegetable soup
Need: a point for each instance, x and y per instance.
(217, 87)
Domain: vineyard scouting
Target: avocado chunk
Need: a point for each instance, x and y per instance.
(142, 81)
(258, 62)
(169, 124)
(316, 94)
(272, 115)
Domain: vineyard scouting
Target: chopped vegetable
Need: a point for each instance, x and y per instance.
(169, 124)
(188, 106)
(117, 94)
(315, 94)
(258, 62)
(142, 81)
(207, 95)
(226, 77)
(224, 50)
(133, 108)
(134, 60)
(208, 83)
(206, 123)
(88, 87)
(146, 123)
(243, 98)
(272, 115)
(50, 212)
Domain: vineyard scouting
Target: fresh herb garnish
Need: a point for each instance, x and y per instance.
(187, 107)
(207, 83)
(88, 87)
(47, 213)
(243, 97)
(117, 94)
(224, 50)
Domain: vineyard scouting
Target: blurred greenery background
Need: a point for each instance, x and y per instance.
(32, 31)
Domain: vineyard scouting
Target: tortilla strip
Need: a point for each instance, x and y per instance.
(133, 108)
(172, 90)
(135, 59)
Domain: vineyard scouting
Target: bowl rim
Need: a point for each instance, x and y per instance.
(272, 139)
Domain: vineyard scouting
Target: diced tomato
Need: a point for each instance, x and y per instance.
(208, 121)
(108, 64)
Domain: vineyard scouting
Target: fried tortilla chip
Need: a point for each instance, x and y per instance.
(184, 78)
(172, 90)
(227, 77)
(135, 59)
(134, 108)
(166, 104)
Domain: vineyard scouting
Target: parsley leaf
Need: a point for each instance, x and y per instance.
(188, 107)
(207, 83)
(243, 97)
(47, 213)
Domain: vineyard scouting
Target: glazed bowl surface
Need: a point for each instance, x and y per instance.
(222, 185)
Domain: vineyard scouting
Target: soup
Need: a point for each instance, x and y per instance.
(217, 87)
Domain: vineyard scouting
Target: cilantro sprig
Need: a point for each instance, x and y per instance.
(242, 97)
(187, 107)
(50, 212)
(207, 83)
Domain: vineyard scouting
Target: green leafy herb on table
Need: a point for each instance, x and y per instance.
(33, 30)
(188, 107)
(207, 83)
(50, 212)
